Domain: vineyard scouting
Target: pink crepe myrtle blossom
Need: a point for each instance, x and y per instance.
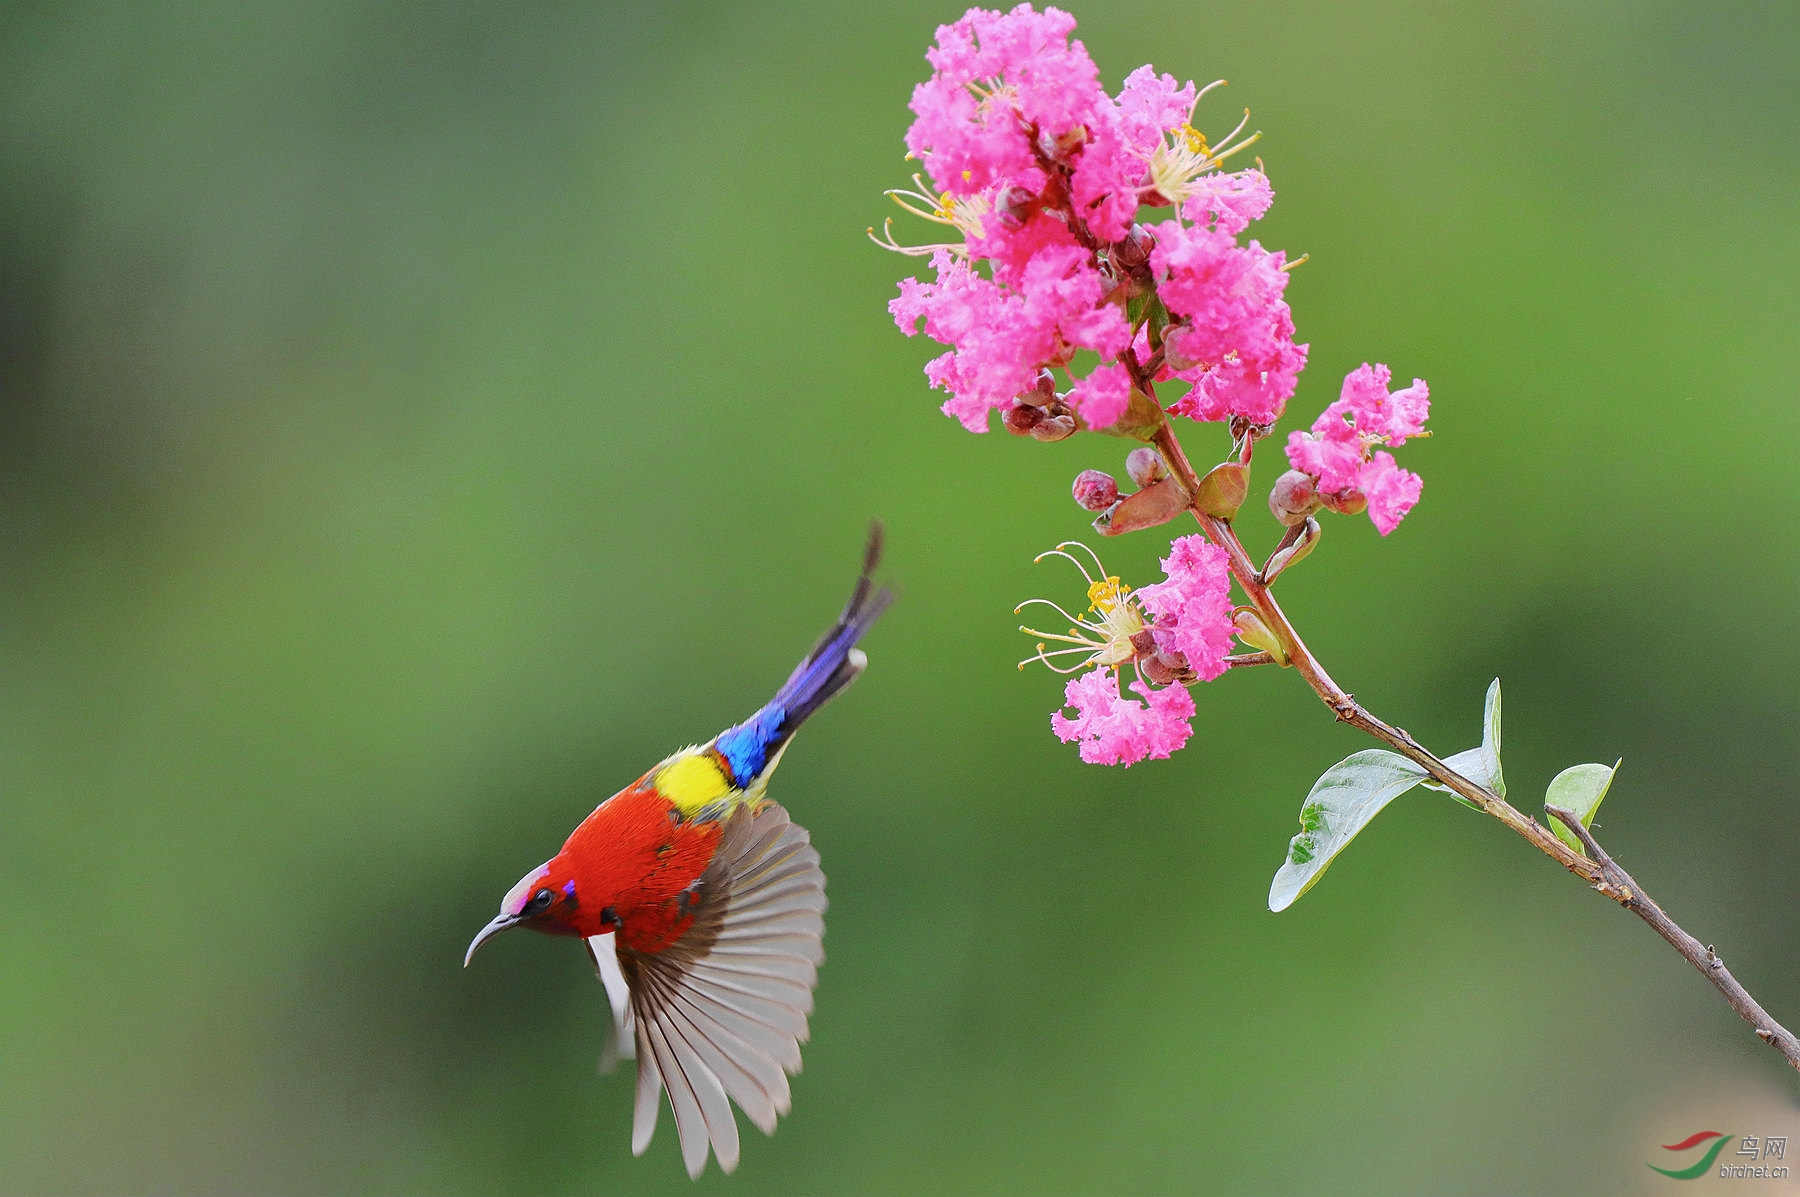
(1176, 631)
(1390, 490)
(1235, 338)
(1102, 397)
(1192, 608)
(1040, 174)
(1001, 335)
(997, 78)
(1114, 730)
(1337, 451)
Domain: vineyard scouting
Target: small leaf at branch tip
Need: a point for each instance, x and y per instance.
(1579, 790)
(1223, 490)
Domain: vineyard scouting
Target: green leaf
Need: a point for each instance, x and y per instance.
(1481, 765)
(1159, 320)
(1138, 306)
(1341, 803)
(1223, 490)
(1579, 789)
(1140, 422)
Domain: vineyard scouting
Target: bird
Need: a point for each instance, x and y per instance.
(702, 905)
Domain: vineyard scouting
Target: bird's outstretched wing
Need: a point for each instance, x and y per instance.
(722, 1012)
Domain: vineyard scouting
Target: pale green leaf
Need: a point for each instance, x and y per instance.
(1481, 765)
(1579, 789)
(1341, 803)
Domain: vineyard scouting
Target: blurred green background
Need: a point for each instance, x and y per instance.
(416, 419)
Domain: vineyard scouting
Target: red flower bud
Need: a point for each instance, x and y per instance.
(1156, 672)
(1016, 205)
(1349, 502)
(1095, 491)
(1294, 498)
(1134, 250)
(1173, 357)
(1054, 428)
(1145, 465)
(1021, 418)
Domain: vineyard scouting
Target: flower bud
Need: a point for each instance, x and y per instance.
(1054, 428)
(1059, 149)
(1173, 356)
(1144, 642)
(1294, 498)
(1021, 418)
(1348, 502)
(1253, 631)
(1015, 206)
(1134, 250)
(1145, 465)
(1043, 392)
(1157, 671)
(1095, 491)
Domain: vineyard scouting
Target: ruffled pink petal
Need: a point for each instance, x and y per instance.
(1113, 730)
(1334, 457)
(1102, 397)
(1229, 202)
(1391, 491)
(1192, 607)
(1365, 403)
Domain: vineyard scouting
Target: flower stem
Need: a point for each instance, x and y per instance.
(1594, 867)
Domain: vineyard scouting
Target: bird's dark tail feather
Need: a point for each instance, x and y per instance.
(834, 662)
(750, 747)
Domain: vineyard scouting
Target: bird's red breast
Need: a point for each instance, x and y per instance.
(636, 858)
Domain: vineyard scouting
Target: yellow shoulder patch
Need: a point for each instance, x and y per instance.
(692, 782)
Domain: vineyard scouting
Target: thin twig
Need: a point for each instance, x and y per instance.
(1599, 869)
(1629, 894)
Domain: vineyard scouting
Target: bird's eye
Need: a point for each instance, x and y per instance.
(540, 901)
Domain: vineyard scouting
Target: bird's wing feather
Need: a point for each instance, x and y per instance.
(621, 1038)
(722, 1012)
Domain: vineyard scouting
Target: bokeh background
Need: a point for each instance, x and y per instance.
(415, 419)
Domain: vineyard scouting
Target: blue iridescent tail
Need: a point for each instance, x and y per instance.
(832, 664)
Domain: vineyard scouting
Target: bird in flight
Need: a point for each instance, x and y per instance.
(703, 907)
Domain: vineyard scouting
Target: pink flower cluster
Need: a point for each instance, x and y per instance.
(1043, 174)
(1114, 730)
(1339, 453)
(1191, 610)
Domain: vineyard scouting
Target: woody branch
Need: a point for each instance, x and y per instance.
(1596, 867)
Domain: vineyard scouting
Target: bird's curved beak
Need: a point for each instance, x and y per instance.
(500, 923)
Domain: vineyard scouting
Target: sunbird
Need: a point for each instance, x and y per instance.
(703, 908)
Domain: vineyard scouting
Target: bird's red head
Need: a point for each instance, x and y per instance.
(545, 900)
